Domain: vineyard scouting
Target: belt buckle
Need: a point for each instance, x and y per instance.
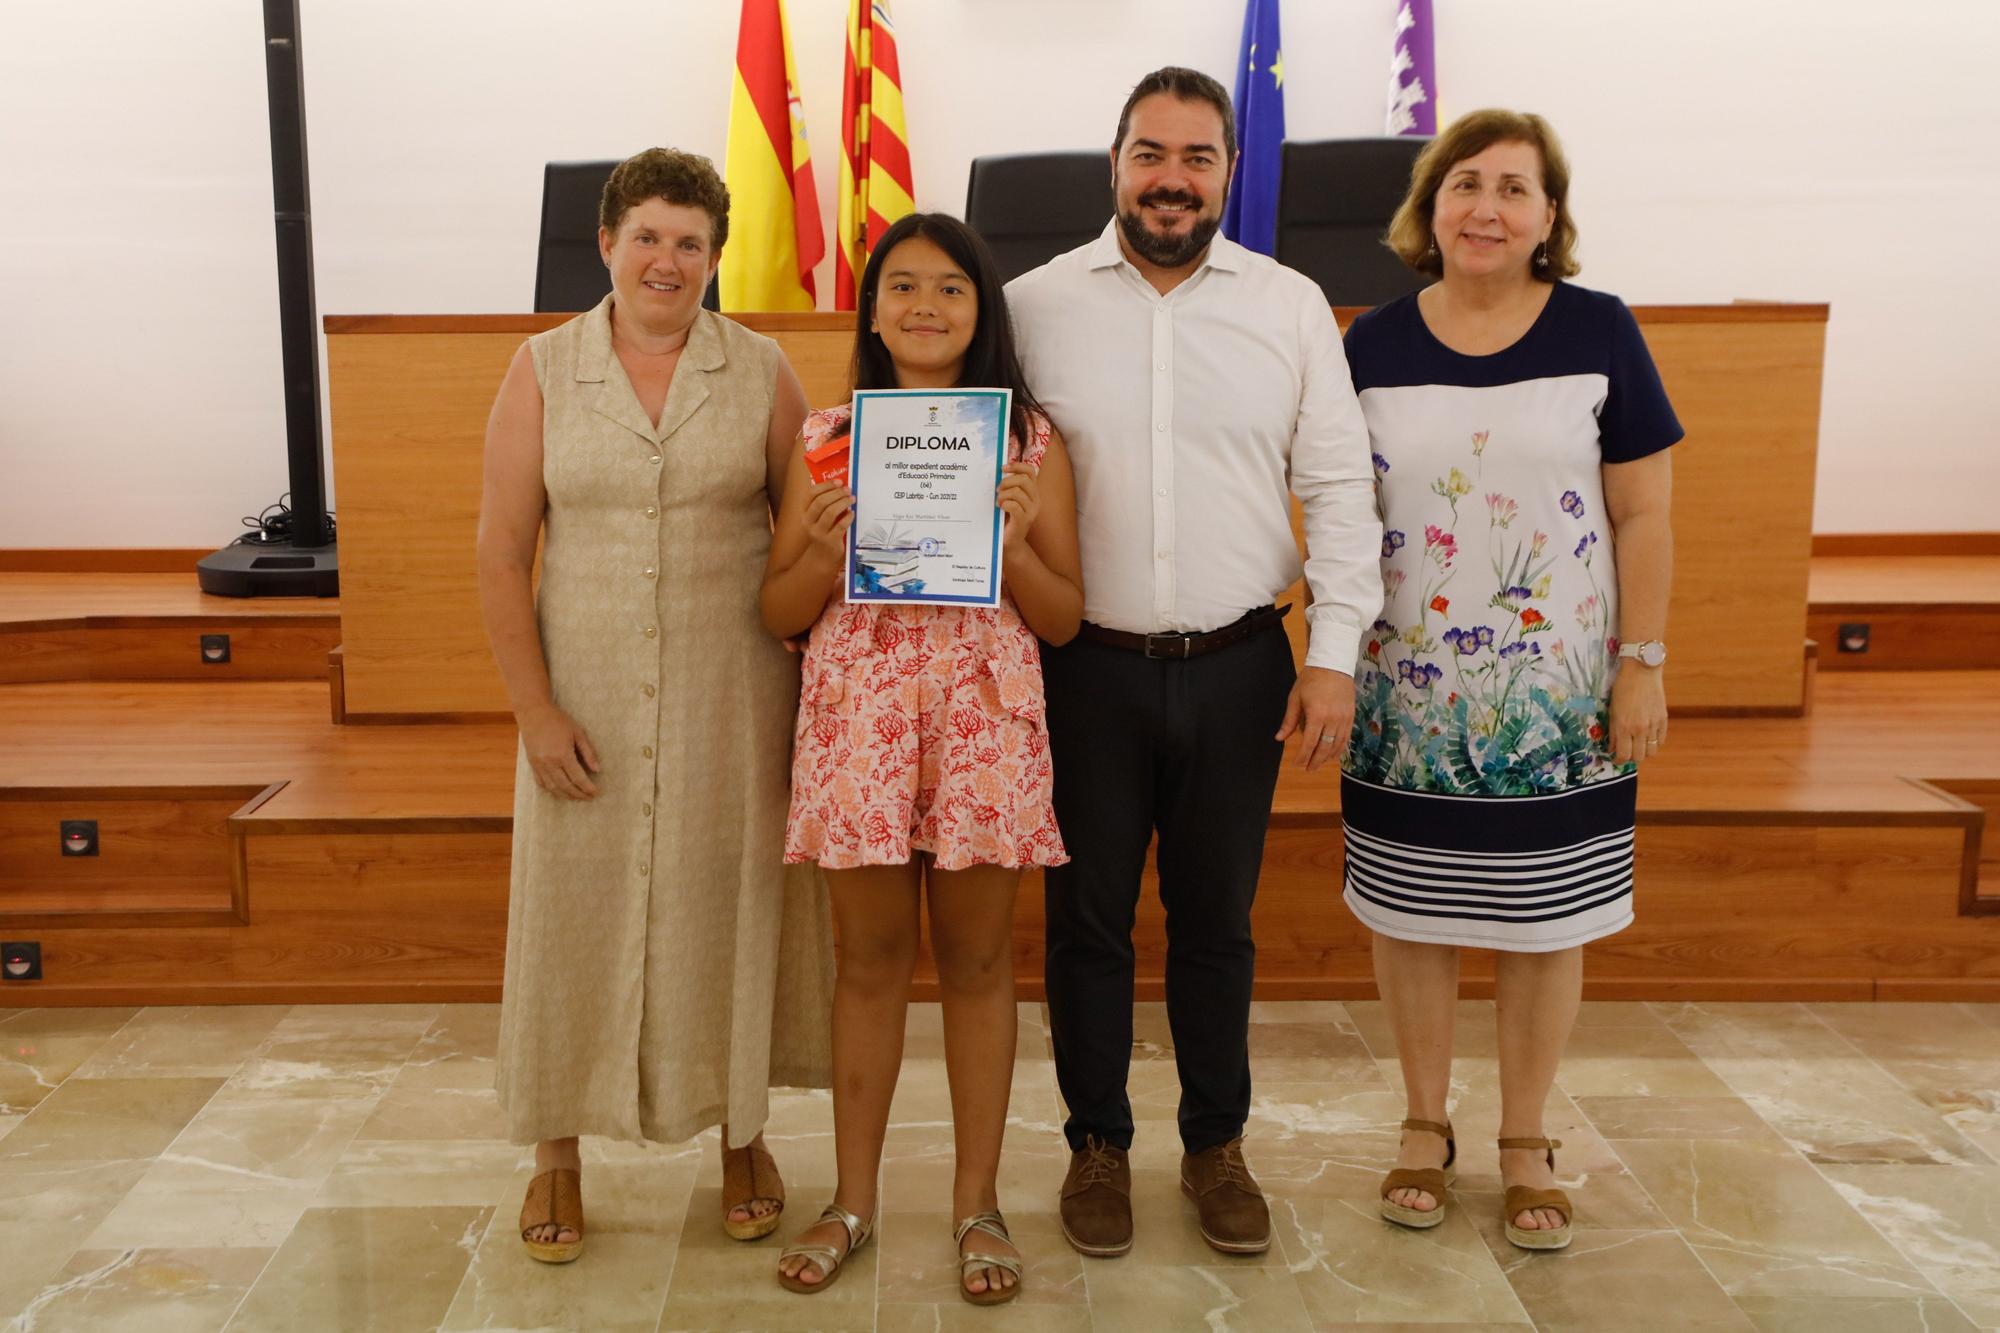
(1168, 646)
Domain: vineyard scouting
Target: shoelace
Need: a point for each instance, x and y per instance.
(1099, 1166)
(1230, 1167)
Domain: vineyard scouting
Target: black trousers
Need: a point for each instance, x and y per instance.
(1185, 748)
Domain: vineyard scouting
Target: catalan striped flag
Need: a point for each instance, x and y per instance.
(875, 186)
(775, 236)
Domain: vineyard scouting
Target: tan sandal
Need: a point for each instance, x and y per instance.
(996, 1226)
(824, 1257)
(1523, 1199)
(748, 1175)
(1432, 1180)
(555, 1199)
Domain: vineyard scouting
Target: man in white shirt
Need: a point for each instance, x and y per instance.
(1199, 386)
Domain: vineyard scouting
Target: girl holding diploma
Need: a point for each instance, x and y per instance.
(921, 762)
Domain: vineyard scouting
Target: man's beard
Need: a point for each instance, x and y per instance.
(1168, 251)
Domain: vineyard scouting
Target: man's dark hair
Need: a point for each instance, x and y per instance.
(1189, 85)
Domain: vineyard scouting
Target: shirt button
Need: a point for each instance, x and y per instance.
(651, 573)
(650, 632)
(647, 690)
(652, 512)
(1161, 555)
(645, 869)
(646, 751)
(1161, 366)
(646, 810)
(1161, 427)
(1160, 491)
(656, 458)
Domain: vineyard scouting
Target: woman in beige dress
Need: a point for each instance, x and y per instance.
(665, 968)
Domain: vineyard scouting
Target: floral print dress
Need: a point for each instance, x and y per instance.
(1480, 800)
(921, 729)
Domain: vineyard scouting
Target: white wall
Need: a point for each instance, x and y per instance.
(1793, 149)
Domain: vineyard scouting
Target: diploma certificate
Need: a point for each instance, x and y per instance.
(924, 466)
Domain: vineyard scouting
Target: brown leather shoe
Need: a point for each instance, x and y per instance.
(1097, 1200)
(1234, 1217)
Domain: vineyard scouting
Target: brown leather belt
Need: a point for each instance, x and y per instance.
(1179, 647)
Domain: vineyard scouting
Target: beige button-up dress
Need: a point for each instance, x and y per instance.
(664, 967)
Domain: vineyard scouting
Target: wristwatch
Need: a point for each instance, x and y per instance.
(1650, 652)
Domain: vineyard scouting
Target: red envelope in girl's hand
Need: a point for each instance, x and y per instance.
(828, 461)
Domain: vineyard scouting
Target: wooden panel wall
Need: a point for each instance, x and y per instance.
(1745, 912)
(410, 397)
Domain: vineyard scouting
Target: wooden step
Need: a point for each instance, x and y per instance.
(1905, 612)
(158, 856)
(1835, 856)
(119, 626)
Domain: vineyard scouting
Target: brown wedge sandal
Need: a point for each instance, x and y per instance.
(555, 1199)
(748, 1175)
(996, 1226)
(1522, 1199)
(824, 1257)
(1432, 1180)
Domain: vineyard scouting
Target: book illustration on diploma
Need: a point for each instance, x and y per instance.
(924, 465)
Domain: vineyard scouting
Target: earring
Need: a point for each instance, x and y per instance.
(1432, 252)
(1542, 255)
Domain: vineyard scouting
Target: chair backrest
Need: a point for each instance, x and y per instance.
(569, 273)
(1031, 207)
(1335, 199)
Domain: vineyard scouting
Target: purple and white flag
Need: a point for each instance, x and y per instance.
(1413, 71)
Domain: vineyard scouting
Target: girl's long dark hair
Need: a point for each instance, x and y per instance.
(990, 359)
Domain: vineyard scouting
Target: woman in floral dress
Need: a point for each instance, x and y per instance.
(921, 760)
(1520, 435)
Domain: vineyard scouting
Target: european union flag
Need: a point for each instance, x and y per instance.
(1251, 217)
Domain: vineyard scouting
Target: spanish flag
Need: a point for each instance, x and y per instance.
(774, 228)
(875, 186)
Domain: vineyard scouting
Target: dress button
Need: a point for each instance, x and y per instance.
(647, 690)
(650, 632)
(652, 511)
(646, 751)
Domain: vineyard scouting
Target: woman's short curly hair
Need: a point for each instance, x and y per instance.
(687, 179)
(1470, 135)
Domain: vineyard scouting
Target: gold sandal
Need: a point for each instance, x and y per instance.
(828, 1260)
(1522, 1199)
(996, 1226)
(1432, 1180)
(748, 1174)
(555, 1199)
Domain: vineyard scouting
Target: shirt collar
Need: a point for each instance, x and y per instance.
(1223, 253)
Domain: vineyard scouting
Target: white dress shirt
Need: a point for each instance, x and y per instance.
(1188, 418)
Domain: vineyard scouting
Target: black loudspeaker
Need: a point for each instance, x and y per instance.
(298, 561)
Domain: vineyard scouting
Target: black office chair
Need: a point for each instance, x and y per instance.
(1335, 199)
(569, 273)
(1031, 207)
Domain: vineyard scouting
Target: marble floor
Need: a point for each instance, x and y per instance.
(1774, 1166)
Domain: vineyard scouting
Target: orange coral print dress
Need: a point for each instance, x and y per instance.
(921, 730)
